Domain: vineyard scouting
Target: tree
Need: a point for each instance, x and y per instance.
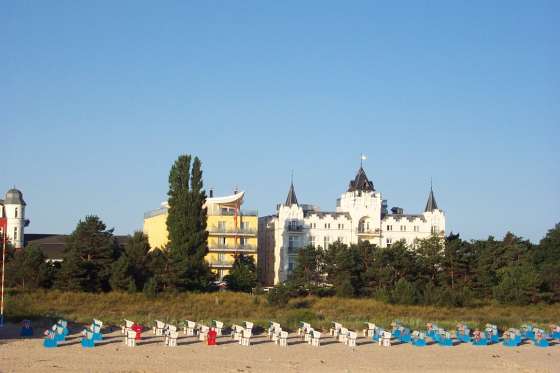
(89, 253)
(308, 271)
(121, 274)
(186, 224)
(547, 261)
(403, 293)
(27, 268)
(243, 274)
(518, 284)
(136, 252)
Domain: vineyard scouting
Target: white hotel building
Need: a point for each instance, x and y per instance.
(361, 215)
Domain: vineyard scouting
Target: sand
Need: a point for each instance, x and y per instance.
(151, 355)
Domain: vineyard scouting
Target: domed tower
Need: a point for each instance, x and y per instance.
(14, 209)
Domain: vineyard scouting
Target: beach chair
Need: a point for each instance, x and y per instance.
(172, 338)
(218, 326)
(444, 338)
(127, 326)
(50, 341)
(492, 333)
(479, 338)
(335, 329)
(168, 330)
(158, 328)
(540, 338)
(246, 337)
(432, 331)
(203, 332)
(404, 335)
(385, 340)
(396, 329)
(377, 334)
(527, 331)
(237, 332)
(418, 339)
(64, 324)
(303, 329)
(189, 328)
(463, 333)
(351, 339)
(555, 332)
(96, 328)
(315, 338)
(130, 338)
(26, 329)
(343, 335)
(273, 329)
(512, 338)
(283, 338)
(88, 340)
(368, 332)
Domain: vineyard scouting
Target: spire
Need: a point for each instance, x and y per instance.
(361, 182)
(292, 199)
(431, 205)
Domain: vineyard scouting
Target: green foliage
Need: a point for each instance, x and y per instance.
(89, 254)
(150, 288)
(186, 225)
(403, 293)
(309, 267)
(518, 284)
(243, 274)
(121, 276)
(27, 269)
(278, 296)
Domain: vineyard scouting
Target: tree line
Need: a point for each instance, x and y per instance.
(450, 272)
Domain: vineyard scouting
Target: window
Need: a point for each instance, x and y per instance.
(434, 229)
(312, 240)
(403, 228)
(313, 225)
(242, 241)
(293, 225)
(221, 241)
(244, 225)
(291, 242)
(222, 226)
(416, 228)
(15, 233)
(340, 226)
(326, 243)
(389, 227)
(16, 212)
(221, 257)
(389, 242)
(341, 239)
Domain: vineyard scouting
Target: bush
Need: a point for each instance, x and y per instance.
(278, 296)
(403, 293)
(150, 288)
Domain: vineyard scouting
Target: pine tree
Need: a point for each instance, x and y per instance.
(89, 253)
(121, 275)
(243, 274)
(186, 224)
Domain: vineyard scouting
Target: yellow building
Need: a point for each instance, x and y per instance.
(230, 231)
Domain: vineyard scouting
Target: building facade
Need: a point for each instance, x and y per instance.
(231, 230)
(361, 215)
(12, 218)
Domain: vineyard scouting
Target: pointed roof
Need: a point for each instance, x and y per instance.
(431, 205)
(361, 182)
(292, 199)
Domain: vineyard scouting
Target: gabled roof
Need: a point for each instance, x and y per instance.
(361, 182)
(431, 205)
(291, 199)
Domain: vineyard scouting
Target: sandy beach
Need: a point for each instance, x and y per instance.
(151, 355)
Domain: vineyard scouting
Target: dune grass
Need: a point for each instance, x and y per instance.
(113, 307)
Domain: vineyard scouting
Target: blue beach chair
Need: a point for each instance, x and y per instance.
(492, 333)
(512, 338)
(87, 340)
(418, 339)
(541, 339)
(444, 338)
(555, 332)
(50, 341)
(479, 338)
(26, 329)
(463, 333)
(527, 332)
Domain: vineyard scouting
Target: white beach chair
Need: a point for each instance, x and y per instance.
(283, 338)
(343, 335)
(172, 338)
(385, 341)
(351, 339)
(218, 326)
(335, 329)
(127, 325)
(370, 329)
(130, 338)
(189, 328)
(203, 332)
(246, 337)
(316, 338)
(237, 332)
(158, 328)
(248, 325)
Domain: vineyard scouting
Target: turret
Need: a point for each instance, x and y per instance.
(14, 209)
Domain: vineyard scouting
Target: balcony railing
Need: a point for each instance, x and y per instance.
(232, 231)
(368, 232)
(238, 248)
(295, 228)
(220, 212)
(220, 263)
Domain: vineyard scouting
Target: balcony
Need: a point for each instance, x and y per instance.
(231, 212)
(219, 231)
(368, 232)
(220, 263)
(295, 228)
(231, 249)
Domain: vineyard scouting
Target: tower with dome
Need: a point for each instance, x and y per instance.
(12, 218)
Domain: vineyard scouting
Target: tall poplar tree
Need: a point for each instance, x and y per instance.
(186, 224)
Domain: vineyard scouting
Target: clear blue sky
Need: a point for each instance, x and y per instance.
(98, 98)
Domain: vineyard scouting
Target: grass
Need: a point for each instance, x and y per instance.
(112, 308)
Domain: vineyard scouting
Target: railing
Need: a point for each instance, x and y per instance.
(368, 231)
(238, 231)
(150, 214)
(295, 228)
(219, 212)
(220, 263)
(227, 248)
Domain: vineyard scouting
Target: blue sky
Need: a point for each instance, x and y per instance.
(97, 99)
